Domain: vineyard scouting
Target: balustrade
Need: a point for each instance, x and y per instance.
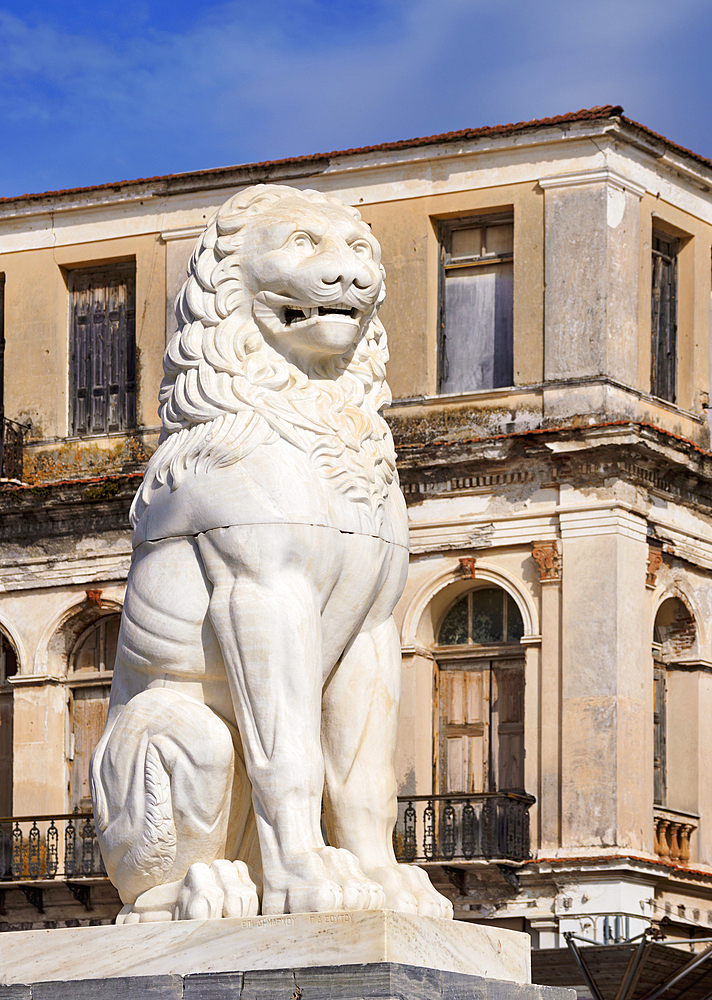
(47, 847)
(673, 832)
(446, 828)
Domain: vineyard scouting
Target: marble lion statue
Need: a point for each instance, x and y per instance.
(258, 664)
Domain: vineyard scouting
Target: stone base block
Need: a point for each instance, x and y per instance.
(303, 941)
(381, 981)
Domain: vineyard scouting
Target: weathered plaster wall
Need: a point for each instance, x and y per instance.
(37, 354)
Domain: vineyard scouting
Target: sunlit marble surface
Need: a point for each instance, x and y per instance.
(236, 944)
(258, 665)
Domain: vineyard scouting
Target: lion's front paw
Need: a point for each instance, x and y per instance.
(224, 889)
(320, 881)
(409, 890)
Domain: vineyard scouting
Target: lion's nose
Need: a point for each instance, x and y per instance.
(341, 266)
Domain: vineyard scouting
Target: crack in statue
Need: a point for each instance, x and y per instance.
(258, 663)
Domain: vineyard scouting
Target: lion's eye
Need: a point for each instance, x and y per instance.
(303, 242)
(363, 249)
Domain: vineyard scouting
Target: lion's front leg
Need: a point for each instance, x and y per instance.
(265, 609)
(359, 738)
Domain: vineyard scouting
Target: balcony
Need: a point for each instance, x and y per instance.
(673, 833)
(434, 829)
(39, 852)
(11, 438)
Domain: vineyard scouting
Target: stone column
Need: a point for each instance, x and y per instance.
(180, 244)
(606, 683)
(591, 299)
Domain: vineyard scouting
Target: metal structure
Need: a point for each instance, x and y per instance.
(34, 848)
(446, 828)
(645, 967)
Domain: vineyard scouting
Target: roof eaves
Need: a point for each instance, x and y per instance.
(266, 166)
(660, 140)
(262, 170)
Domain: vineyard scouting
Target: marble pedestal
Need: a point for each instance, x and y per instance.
(349, 956)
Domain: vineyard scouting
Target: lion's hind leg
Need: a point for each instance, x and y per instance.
(163, 781)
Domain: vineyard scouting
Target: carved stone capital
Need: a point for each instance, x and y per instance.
(467, 567)
(547, 557)
(655, 561)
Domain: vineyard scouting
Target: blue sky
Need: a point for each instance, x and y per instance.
(92, 92)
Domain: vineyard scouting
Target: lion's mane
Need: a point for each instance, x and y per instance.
(225, 390)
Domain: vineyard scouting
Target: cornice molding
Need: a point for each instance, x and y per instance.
(185, 233)
(604, 175)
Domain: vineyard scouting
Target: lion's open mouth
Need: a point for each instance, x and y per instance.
(292, 315)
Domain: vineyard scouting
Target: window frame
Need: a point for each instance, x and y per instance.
(445, 229)
(666, 387)
(474, 649)
(659, 728)
(87, 686)
(492, 661)
(126, 386)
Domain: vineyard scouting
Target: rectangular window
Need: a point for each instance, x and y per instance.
(476, 303)
(102, 349)
(663, 368)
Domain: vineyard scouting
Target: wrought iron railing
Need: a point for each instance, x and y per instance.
(446, 828)
(63, 845)
(11, 437)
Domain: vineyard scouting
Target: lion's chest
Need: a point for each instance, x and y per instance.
(275, 484)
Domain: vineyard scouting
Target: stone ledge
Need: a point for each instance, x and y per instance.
(381, 981)
(238, 945)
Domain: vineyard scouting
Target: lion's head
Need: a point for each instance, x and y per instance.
(277, 321)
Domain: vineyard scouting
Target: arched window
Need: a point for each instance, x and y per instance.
(674, 651)
(8, 668)
(484, 616)
(95, 650)
(91, 663)
(480, 694)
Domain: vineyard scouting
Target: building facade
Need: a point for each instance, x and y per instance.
(548, 313)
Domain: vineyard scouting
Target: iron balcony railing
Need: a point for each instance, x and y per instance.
(63, 845)
(11, 437)
(447, 828)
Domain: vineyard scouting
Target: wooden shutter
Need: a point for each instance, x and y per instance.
(465, 758)
(90, 706)
(663, 374)
(93, 654)
(463, 701)
(659, 735)
(103, 349)
(508, 720)
(6, 753)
